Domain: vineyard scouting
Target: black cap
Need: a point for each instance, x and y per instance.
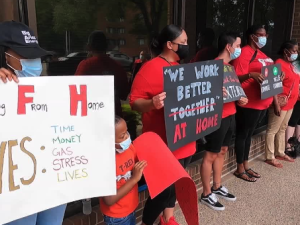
(21, 39)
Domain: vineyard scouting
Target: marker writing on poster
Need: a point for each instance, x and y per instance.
(80, 96)
(2, 110)
(232, 85)
(75, 99)
(23, 100)
(10, 147)
(200, 90)
(65, 162)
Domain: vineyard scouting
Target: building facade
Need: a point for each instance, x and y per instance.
(63, 27)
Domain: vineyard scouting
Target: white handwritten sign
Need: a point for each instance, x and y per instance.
(56, 143)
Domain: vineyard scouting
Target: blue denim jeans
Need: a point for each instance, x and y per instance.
(128, 220)
(52, 216)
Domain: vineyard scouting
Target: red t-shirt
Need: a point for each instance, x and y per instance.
(290, 83)
(206, 53)
(228, 108)
(252, 90)
(124, 165)
(104, 65)
(147, 84)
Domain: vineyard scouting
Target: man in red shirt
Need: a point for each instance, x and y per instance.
(138, 63)
(229, 48)
(205, 44)
(101, 64)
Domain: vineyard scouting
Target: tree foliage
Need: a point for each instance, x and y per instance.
(79, 17)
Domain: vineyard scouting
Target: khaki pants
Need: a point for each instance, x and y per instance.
(275, 137)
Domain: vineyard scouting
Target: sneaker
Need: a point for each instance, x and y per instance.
(212, 202)
(172, 221)
(222, 192)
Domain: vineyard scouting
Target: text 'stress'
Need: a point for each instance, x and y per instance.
(194, 103)
(232, 85)
(56, 143)
(272, 85)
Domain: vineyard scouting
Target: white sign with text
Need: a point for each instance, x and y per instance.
(56, 142)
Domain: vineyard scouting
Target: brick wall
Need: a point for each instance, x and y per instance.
(296, 24)
(96, 218)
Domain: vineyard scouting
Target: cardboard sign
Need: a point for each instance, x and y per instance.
(56, 143)
(232, 85)
(163, 171)
(272, 85)
(194, 103)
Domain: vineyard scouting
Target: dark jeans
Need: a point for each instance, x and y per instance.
(167, 199)
(128, 220)
(246, 122)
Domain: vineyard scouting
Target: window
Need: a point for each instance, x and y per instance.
(111, 30)
(141, 41)
(121, 31)
(122, 42)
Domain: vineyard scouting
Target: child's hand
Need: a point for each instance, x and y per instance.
(138, 170)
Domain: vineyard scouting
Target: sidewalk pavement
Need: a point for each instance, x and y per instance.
(273, 199)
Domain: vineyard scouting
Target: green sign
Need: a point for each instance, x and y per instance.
(275, 71)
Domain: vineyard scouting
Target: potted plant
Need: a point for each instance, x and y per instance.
(132, 118)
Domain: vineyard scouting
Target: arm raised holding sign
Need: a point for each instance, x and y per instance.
(147, 96)
(7, 75)
(146, 105)
(23, 59)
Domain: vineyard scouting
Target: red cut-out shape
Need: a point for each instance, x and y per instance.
(163, 170)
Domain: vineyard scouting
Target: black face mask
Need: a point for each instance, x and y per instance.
(183, 51)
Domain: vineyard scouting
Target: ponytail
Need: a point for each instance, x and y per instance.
(168, 33)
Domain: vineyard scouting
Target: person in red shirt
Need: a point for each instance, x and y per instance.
(138, 63)
(229, 48)
(205, 44)
(101, 64)
(248, 68)
(140, 60)
(147, 96)
(279, 118)
(119, 209)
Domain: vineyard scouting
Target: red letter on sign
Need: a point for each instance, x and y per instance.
(22, 99)
(75, 98)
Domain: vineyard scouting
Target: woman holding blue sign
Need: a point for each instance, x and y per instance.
(248, 68)
(147, 96)
(278, 120)
(19, 58)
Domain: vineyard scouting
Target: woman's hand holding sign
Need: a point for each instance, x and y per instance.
(158, 100)
(225, 93)
(243, 101)
(257, 76)
(282, 76)
(7, 75)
